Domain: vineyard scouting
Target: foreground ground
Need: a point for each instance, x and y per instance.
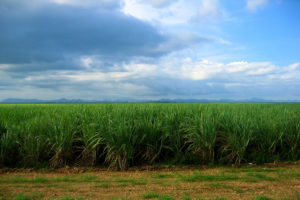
(249, 182)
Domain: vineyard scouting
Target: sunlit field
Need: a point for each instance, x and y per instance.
(124, 135)
(170, 151)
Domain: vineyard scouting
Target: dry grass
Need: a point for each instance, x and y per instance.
(190, 183)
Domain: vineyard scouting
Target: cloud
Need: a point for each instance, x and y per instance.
(158, 3)
(51, 37)
(209, 8)
(107, 4)
(176, 12)
(111, 49)
(253, 5)
(170, 13)
(110, 4)
(169, 77)
(182, 40)
(53, 32)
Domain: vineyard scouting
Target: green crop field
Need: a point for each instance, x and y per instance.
(123, 135)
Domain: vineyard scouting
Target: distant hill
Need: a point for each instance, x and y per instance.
(11, 100)
(253, 100)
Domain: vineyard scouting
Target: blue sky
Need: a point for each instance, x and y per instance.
(150, 49)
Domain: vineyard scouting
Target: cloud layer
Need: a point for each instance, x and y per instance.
(133, 49)
(53, 32)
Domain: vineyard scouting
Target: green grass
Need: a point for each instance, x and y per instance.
(131, 181)
(87, 178)
(263, 198)
(123, 184)
(70, 198)
(150, 195)
(22, 179)
(129, 134)
(198, 177)
(298, 196)
(39, 179)
(103, 185)
(21, 196)
(219, 198)
(165, 197)
(162, 175)
(220, 185)
(238, 190)
(253, 170)
(186, 198)
(257, 177)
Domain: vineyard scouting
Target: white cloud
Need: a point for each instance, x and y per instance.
(200, 70)
(253, 5)
(209, 8)
(178, 12)
(250, 68)
(293, 66)
(170, 75)
(247, 72)
(158, 3)
(86, 62)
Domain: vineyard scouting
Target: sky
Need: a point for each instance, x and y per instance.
(150, 49)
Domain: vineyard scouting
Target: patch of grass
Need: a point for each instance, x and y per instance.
(132, 181)
(123, 184)
(63, 179)
(150, 195)
(139, 182)
(263, 198)
(17, 179)
(165, 197)
(55, 185)
(70, 198)
(22, 196)
(87, 177)
(220, 185)
(219, 198)
(103, 185)
(260, 177)
(39, 179)
(298, 196)
(288, 175)
(120, 180)
(249, 179)
(162, 176)
(197, 177)
(158, 182)
(238, 190)
(22, 179)
(251, 169)
(186, 198)
(294, 175)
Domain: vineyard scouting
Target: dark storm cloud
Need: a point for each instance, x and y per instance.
(51, 32)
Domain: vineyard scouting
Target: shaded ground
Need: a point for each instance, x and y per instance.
(276, 182)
